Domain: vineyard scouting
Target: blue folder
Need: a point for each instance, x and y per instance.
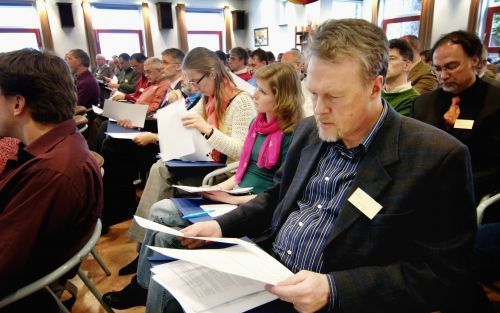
(115, 128)
(192, 205)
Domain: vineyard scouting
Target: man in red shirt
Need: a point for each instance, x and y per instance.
(237, 62)
(51, 196)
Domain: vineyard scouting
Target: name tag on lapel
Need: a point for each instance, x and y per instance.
(463, 124)
(363, 202)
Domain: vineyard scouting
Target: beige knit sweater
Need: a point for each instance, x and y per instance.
(234, 127)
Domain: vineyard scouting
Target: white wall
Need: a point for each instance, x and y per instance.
(449, 15)
(66, 38)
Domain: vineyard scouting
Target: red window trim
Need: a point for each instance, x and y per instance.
(25, 30)
(208, 32)
(399, 20)
(118, 31)
(489, 22)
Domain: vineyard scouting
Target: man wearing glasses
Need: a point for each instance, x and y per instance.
(465, 106)
(397, 89)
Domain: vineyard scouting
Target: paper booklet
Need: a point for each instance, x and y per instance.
(192, 189)
(136, 113)
(230, 279)
(178, 142)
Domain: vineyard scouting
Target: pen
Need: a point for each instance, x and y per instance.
(185, 217)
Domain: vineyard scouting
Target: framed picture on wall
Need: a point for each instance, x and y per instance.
(261, 37)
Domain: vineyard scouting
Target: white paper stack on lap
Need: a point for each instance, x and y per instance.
(220, 280)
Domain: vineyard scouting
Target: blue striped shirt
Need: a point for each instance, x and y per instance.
(301, 240)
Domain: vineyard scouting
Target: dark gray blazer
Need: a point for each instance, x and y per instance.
(483, 140)
(413, 256)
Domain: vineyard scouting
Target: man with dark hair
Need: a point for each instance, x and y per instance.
(465, 106)
(257, 59)
(86, 85)
(238, 63)
(422, 78)
(397, 89)
(372, 210)
(127, 77)
(51, 196)
(137, 65)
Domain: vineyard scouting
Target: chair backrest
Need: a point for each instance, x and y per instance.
(57, 273)
(484, 204)
(209, 179)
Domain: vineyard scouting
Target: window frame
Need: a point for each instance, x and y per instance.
(207, 32)
(25, 30)
(489, 23)
(396, 20)
(118, 31)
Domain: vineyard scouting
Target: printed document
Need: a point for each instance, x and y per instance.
(200, 289)
(178, 142)
(230, 279)
(193, 189)
(134, 112)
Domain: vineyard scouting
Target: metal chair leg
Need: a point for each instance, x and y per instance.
(60, 305)
(94, 290)
(97, 257)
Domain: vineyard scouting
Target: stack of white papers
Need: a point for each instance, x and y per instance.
(193, 189)
(228, 279)
(136, 113)
(178, 142)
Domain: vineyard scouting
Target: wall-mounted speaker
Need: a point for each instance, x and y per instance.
(165, 20)
(239, 19)
(66, 14)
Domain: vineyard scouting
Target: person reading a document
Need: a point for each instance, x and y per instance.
(373, 211)
(278, 101)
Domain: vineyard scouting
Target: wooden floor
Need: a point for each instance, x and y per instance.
(117, 251)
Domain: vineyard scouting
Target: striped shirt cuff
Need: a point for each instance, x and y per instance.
(333, 302)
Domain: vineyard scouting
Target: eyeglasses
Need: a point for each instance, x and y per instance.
(196, 83)
(449, 67)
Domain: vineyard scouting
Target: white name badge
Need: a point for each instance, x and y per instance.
(463, 124)
(363, 202)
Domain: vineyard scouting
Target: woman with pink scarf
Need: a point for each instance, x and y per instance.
(278, 106)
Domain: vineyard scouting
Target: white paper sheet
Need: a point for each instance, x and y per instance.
(247, 261)
(193, 189)
(178, 142)
(175, 140)
(219, 209)
(200, 289)
(123, 135)
(242, 84)
(174, 232)
(136, 113)
(97, 110)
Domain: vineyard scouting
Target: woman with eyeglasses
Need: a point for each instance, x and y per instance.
(278, 102)
(223, 116)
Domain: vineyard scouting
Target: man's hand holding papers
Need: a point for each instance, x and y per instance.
(202, 229)
(308, 291)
